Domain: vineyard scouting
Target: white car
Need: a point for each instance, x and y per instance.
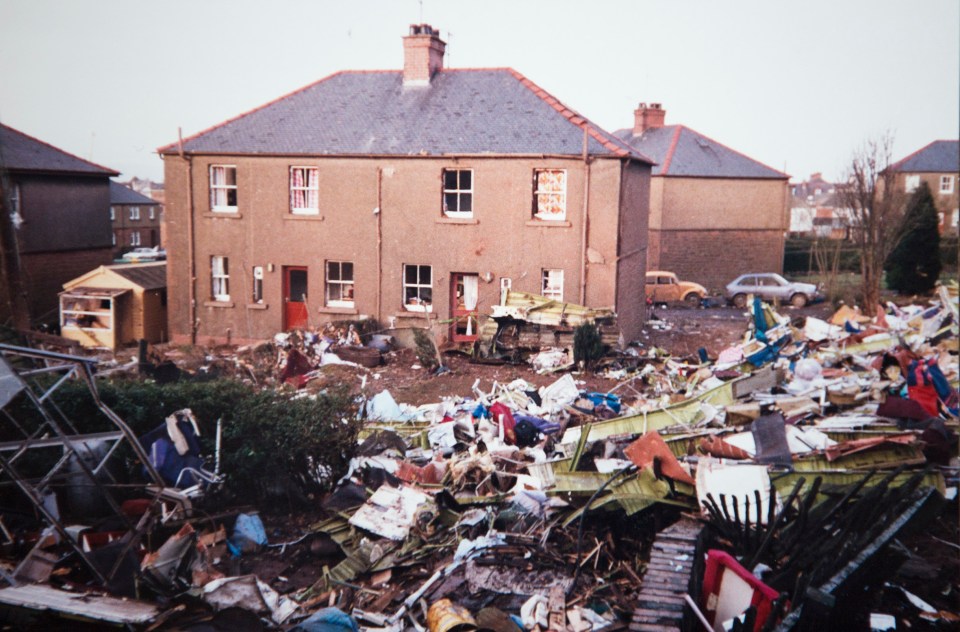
(140, 255)
(769, 286)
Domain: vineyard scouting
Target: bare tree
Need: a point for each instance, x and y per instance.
(874, 211)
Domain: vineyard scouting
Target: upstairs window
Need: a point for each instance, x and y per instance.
(113, 213)
(257, 284)
(458, 192)
(219, 278)
(134, 213)
(550, 194)
(552, 284)
(304, 191)
(946, 184)
(911, 183)
(418, 288)
(223, 188)
(153, 213)
(339, 284)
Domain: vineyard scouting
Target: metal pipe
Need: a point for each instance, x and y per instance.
(191, 246)
(585, 220)
(379, 211)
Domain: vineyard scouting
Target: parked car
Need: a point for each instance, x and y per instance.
(664, 287)
(140, 255)
(770, 286)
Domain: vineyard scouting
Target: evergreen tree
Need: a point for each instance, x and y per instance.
(914, 265)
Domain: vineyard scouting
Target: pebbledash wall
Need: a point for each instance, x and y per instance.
(501, 240)
(717, 228)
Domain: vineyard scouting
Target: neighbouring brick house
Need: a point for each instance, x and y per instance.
(814, 211)
(937, 164)
(61, 209)
(714, 213)
(135, 219)
(401, 195)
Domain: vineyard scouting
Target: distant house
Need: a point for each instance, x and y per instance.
(814, 211)
(937, 164)
(402, 196)
(135, 219)
(714, 213)
(116, 305)
(61, 208)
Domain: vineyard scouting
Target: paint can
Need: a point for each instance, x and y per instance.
(446, 616)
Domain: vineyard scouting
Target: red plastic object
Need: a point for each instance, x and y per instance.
(729, 589)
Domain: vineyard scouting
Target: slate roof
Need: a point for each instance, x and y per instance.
(941, 156)
(681, 151)
(20, 152)
(149, 276)
(462, 111)
(120, 194)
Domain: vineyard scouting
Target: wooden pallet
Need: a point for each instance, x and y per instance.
(661, 603)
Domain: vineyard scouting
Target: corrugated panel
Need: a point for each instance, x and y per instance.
(785, 482)
(97, 607)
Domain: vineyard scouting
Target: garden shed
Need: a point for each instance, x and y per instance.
(114, 305)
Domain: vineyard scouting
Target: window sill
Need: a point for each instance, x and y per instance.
(548, 223)
(347, 311)
(296, 217)
(457, 220)
(415, 313)
(257, 306)
(411, 315)
(219, 304)
(224, 214)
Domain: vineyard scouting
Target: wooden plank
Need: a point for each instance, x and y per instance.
(89, 606)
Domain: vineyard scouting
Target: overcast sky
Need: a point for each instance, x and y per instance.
(795, 85)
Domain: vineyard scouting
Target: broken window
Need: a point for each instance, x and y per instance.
(506, 283)
(135, 238)
(81, 311)
(304, 191)
(946, 184)
(552, 284)
(223, 188)
(550, 194)
(458, 192)
(911, 183)
(134, 213)
(257, 284)
(339, 286)
(418, 288)
(219, 278)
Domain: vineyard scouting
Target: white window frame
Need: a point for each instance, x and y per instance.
(561, 196)
(955, 218)
(413, 293)
(113, 237)
(458, 192)
(135, 238)
(134, 213)
(343, 296)
(220, 278)
(220, 190)
(307, 187)
(946, 185)
(113, 213)
(551, 283)
(257, 294)
(153, 213)
(911, 183)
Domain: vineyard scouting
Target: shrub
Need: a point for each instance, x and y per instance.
(273, 442)
(587, 344)
(914, 265)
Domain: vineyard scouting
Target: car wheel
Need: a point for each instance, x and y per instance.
(798, 300)
(692, 299)
(740, 301)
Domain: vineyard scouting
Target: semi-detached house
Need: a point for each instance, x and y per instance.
(401, 195)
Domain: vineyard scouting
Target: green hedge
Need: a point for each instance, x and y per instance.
(273, 442)
(798, 256)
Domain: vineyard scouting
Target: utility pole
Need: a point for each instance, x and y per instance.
(11, 279)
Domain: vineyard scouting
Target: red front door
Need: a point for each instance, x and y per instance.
(295, 314)
(463, 307)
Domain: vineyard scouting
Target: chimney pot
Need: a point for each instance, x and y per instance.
(423, 52)
(648, 117)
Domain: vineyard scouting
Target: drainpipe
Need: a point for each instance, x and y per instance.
(378, 212)
(585, 222)
(191, 246)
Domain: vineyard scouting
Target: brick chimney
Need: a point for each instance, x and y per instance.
(422, 54)
(648, 117)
